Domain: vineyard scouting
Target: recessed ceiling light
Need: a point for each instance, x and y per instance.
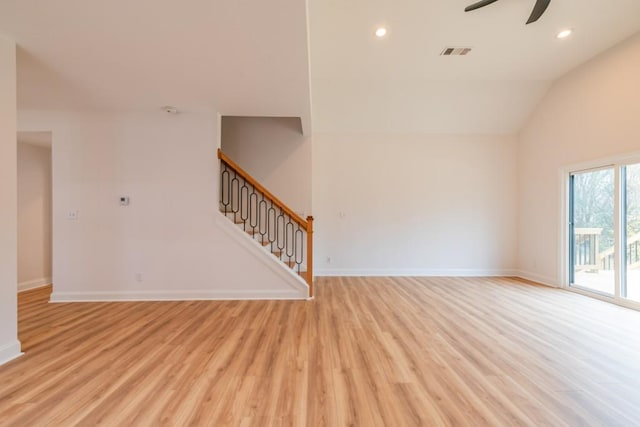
(381, 32)
(564, 33)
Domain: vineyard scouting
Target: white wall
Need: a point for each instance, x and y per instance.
(34, 215)
(275, 152)
(170, 242)
(414, 204)
(9, 344)
(591, 113)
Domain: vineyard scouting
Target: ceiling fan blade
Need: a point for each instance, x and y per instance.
(479, 4)
(538, 10)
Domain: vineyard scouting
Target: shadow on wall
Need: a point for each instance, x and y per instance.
(275, 152)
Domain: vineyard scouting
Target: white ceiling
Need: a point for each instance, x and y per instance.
(401, 84)
(238, 57)
(250, 58)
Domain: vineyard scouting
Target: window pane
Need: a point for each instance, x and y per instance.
(593, 230)
(632, 256)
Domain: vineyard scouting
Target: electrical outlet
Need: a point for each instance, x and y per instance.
(139, 277)
(328, 260)
(73, 215)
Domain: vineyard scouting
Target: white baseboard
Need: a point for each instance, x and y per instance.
(10, 351)
(33, 284)
(415, 272)
(296, 288)
(538, 278)
(59, 297)
(543, 280)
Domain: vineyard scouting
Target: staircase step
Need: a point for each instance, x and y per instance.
(255, 233)
(230, 216)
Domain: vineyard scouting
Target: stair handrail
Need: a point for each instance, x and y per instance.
(251, 180)
(306, 224)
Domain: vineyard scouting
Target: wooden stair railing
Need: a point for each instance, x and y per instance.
(266, 218)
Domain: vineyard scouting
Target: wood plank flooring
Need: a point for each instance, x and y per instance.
(365, 352)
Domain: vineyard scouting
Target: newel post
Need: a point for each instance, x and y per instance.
(310, 254)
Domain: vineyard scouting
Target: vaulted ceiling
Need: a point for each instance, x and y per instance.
(399, 83)
(251, 58)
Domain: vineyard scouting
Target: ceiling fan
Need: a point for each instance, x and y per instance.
(538, 10)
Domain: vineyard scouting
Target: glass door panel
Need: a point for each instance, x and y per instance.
(631, 240)
(592, 228)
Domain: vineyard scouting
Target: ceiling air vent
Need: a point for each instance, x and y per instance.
(455, 51)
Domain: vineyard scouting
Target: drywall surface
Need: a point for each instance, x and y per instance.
(170, 242)
(591, 113)
(275, 152)
(34, 216)
(393, 204)
(9, 344)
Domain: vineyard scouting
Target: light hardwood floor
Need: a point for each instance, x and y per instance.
(365, 352)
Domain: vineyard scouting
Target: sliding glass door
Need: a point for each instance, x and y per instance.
(604, 231)
(630, 177)
(592, 230)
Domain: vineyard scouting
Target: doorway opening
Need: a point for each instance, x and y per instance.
(34, 210)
